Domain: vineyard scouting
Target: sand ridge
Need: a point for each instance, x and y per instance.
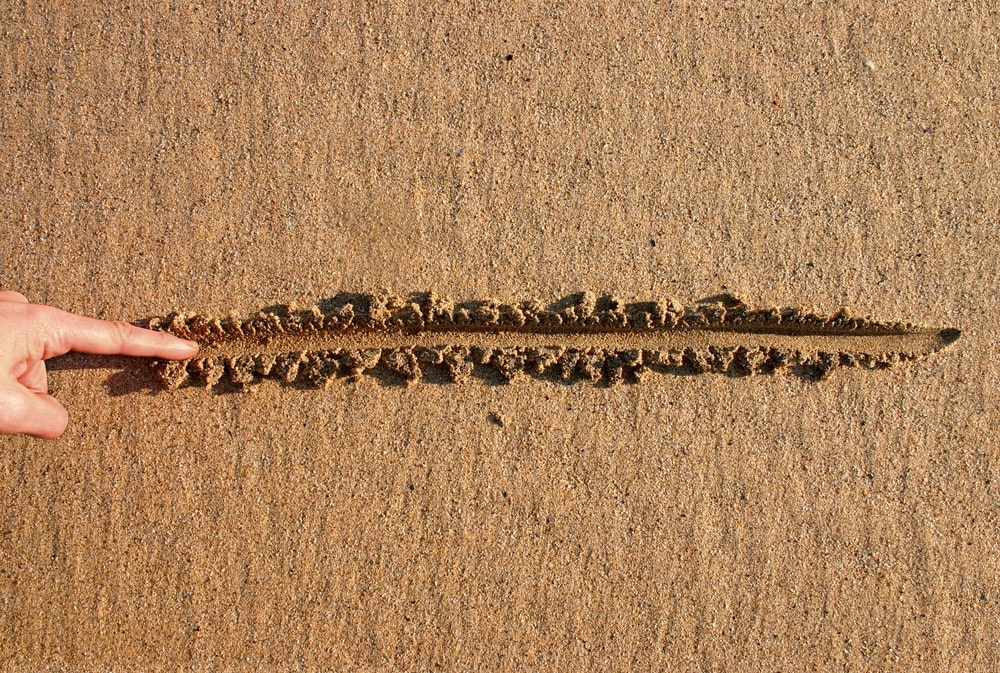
(581, 337)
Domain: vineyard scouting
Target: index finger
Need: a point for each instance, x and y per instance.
(103, 337)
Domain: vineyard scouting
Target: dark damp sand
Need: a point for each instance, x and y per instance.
(221, 159)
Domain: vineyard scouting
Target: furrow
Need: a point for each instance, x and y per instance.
(579, 338)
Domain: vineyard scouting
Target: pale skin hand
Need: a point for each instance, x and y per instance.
(30, 334)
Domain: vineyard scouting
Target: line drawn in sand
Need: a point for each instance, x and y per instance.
(423, 336)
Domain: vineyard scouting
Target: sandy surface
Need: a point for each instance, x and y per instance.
(224, 159)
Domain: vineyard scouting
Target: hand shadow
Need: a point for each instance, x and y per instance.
(131, 375)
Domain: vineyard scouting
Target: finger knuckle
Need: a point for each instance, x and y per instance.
(123, 331)
(13, 295)
(15, 311)
(34, 312)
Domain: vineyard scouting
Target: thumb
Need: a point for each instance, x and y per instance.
(37, 414)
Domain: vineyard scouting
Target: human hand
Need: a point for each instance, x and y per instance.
(30, 334)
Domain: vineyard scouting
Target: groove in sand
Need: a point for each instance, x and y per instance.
(581, 337)
(912, 342)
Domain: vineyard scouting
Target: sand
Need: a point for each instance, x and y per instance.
(218, 160)
(580, 337)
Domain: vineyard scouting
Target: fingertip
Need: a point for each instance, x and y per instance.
(180, 349)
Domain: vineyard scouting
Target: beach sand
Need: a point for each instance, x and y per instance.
(222, 159)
